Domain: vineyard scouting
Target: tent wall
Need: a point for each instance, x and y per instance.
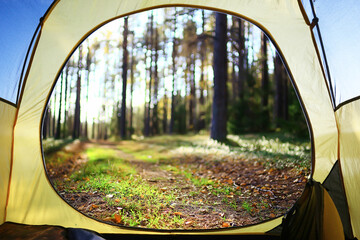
(7, 116)
(348, 117)
(32, 199)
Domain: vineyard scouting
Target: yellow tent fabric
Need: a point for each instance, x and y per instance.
(332, 223)
(7, 117)
(348, 118)
(32, 200)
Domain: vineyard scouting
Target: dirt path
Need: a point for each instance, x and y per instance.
(241, 192)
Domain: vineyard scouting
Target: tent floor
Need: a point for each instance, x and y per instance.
(31, 232)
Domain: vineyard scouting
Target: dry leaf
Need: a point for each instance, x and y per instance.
(225, 225)
(108, 219)
(117, 218)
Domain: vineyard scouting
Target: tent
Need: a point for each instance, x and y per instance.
(319, 44)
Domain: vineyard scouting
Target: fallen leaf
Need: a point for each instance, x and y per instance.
(117, 200)
(272, 215)
(93, 206)
(108, 219)
(117, 218)
(225, 225)
(178, 214)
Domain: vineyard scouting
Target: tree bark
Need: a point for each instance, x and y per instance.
(264, 83)
(124, 81)
(201, 121)
(132, 63)
(281, 91)
(76, 130)
(148, 110)
(192, 101)
(46, 123)
(219, 107)
(53, 116)
(242, 59)
(65, 128)
(155, 116)
(58, 124)
(173, 56)
(87, 67)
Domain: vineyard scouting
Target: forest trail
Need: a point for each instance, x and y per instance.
(202, 193)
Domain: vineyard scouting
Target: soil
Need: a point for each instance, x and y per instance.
(268, 192)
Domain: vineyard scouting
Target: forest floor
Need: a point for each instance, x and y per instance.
(181, 182)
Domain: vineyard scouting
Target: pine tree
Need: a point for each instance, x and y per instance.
(219, 107)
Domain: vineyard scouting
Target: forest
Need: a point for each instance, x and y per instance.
(176, 97)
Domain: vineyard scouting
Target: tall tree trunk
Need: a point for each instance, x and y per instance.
(146, 125)
(93, 128)
(148, 110)
(192, 100)
(165, 106)
(155, 116)
(132, 63)
(58, 124)
(219, 107)
(46, 123)
(88, 64)
(165, 98)
(76, 130)
(242, 59)
(235, 63)
(264, 83)
(278, 113)
(124, 78)
(285, 101)
(173, 91)
(65, 100)
(53, 116)
(281, 91)
(201, 121)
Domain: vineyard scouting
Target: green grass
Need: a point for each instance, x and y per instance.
(145, 152)
(51, 145)
(245, 205)
(103, 163)
(274, 151)
(145, 205)
(57, 158)
(140, 204)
